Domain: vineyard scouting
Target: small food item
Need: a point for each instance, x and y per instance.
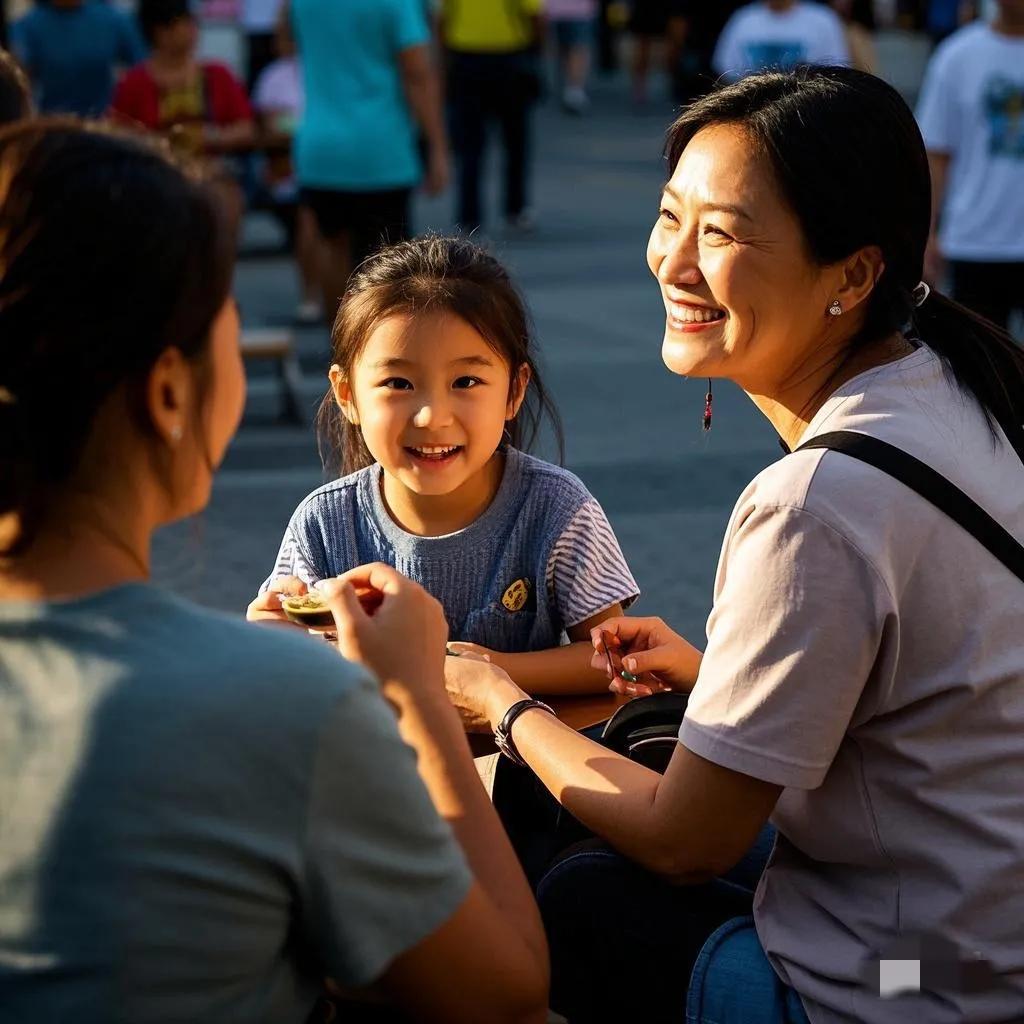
(308, 610)
(628, 676)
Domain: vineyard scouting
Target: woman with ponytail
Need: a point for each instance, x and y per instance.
(862, 681)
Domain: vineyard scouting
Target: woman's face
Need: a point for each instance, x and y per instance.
(742, 298)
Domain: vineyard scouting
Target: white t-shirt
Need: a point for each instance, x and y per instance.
(867, 653)
(260, 15)
(972, 107)
(756, 38)
(280, 88)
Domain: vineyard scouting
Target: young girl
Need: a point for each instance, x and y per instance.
(438, 392)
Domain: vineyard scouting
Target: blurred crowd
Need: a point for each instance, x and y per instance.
(338, 111)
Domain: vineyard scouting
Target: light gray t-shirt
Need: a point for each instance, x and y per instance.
(200, 818)
(867, 653)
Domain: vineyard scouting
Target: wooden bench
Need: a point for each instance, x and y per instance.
(278, 344)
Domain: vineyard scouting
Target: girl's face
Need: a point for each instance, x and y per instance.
(431, 398)
(742, 297)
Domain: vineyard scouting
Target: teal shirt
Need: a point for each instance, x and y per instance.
(200, 818)
(358, 133)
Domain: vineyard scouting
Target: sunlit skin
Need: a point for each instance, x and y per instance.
(725, 244)
(432, 383)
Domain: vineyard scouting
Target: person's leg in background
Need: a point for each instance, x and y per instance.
(468, 130)
(574, 38)
(330, 212)
(514, 111)
(308, 261)
(991, 289)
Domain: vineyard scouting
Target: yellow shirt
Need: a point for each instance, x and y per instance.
(489, 26)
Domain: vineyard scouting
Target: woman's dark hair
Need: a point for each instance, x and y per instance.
(110, 254)
(15, 98)
(848, 158)
(421, 278)
(154, 14)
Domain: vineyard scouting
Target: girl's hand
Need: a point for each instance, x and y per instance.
(462, 649)
(266, 607)
(649, 650)
(392, 626)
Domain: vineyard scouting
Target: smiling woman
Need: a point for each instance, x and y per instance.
(860, 685)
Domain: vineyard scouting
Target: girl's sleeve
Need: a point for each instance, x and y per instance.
(587, 572)
(301, 554)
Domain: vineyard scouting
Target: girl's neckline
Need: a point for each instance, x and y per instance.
(394, 533)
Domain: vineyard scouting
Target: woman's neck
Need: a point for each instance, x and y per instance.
(791, 406)
(85, 548)
(172, 68)
(435, 515)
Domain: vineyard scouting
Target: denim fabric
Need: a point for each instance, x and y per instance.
(733, 983)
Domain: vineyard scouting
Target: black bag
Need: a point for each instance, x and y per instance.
(646, 730)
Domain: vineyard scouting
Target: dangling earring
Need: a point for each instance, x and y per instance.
(836, 308)
(707, 408)
(506, 439)
(176, 433)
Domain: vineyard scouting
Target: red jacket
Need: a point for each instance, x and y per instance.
(137, 98)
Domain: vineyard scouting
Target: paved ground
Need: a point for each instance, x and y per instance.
(632, 429)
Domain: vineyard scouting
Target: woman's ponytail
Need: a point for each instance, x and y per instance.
(985, 361)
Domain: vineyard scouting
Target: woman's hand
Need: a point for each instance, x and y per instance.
(392, 626)
(480, 691)
(266, 607)
(648, 649)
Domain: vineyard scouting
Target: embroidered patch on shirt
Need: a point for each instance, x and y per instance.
(515, 598)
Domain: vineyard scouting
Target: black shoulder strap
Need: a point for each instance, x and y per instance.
(931, 486)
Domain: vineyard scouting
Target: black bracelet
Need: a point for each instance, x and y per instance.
(503, 734)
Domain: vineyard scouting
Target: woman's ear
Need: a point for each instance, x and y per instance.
(343, 394)
(859, 275)
(169, 392)
(517, 391)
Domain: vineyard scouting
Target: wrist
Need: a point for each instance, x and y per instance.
(502, 696)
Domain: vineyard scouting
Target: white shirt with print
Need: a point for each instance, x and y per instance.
(972, 108)
(757, 38)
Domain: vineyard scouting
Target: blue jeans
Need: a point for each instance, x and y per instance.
(625, 945)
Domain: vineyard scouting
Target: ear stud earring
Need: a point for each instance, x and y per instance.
(176, 433)
(836, 308)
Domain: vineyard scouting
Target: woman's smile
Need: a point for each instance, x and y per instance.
(689, 317)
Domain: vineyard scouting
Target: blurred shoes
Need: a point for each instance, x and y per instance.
(522, 223)
(308, 313)
(575, 100)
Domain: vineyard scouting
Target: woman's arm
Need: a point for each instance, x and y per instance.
(492, 953)
(691, 824)
(422, 86)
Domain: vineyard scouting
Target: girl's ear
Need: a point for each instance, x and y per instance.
(343, 394)
(517, 391)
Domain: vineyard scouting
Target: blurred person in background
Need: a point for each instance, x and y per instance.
(649, 25)
(944, 17)
(971, 113)
(72, 50)
(279, 100)
(372, 90)
(199, 106)
(259, 22)
(494, 78)
(858, 18)
(15, 98)
(780, 34)
(695, 28)
(572, 24)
